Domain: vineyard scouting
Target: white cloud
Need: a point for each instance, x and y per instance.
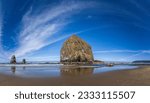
(0, 20)
(122, 51)
(134, 53)
(132, 56)
(118, 51)
(140, 6)
(43, 58)
(146, 51)
(2, 53)
(38, 29)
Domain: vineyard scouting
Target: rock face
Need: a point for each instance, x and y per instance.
(13, 60)
(75, 50)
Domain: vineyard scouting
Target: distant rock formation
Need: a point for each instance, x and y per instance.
(141, 62)
(24, 61)
(75, 50)
(98, 62)
(13, 60)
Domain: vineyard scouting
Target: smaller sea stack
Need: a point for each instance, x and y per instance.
(24, 61)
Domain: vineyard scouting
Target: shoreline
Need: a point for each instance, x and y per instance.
(135, 77)
(26, 65)
(51, 65)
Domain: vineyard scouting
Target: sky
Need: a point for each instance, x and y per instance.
(117, 30)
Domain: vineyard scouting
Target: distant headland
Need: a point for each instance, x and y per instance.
(141, 62)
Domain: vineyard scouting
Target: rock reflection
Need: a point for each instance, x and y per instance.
(13, 69)
(76, 71)
(24, 68)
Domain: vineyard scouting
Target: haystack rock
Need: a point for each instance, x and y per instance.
(75, 50)
(13, 60)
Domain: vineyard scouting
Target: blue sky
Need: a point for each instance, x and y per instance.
(117, 30)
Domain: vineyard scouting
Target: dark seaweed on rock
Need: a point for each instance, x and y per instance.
(76, 50)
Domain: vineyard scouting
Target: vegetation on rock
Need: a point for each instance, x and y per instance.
(76, 50)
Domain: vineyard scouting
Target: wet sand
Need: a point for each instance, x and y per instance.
(135, 77)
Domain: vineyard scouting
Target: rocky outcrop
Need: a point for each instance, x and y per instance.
(24, 61)
(98, 62)
(75, 50)
(13, 60)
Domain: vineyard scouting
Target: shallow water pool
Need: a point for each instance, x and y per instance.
(58, 70)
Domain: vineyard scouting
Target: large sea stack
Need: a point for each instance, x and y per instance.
(13, 60)
(76, 51)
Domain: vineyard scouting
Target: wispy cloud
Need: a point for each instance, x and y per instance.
(132, 56)
(122, 51)
(119, 51)
(146, 51)
(2, 56)
(38, 29)
(43, 58)
(133, 53)
(140, 7)
(0, 19)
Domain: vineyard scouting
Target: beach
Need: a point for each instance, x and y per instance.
(134, 77)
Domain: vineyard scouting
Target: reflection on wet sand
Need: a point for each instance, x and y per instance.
(76, 71)
(24, 68)
(13, 69)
